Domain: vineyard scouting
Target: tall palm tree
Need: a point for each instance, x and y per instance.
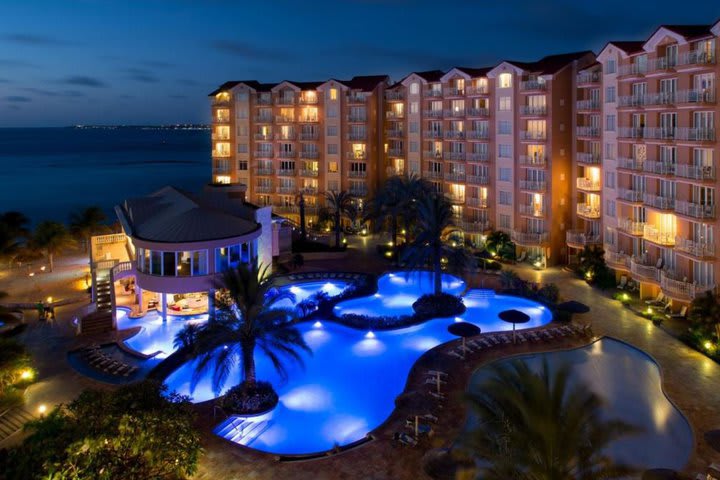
(500, 244)
(300, 202)
(541, 426)
(435, 219)
(247, 321)
(705, 313)
(88, 222)
(51, 238)
(389, 203)
(338, 203)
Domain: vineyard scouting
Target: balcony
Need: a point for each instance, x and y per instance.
(530, 85)
(588, 184)
(478, 157)
(695, 210)
(478, 134)
(589, 158)
(355, 98)
(263, 154)
(454, 92)
(220, 136)
(454, 176)
(311, 154)
(644, 270)
(588, 105)
(617, 260)
(532, 210)
(309, 136)
(633, 196)
(476, 202)
(579, 238)
(631, 227)
(357, 155)
(308, 99)
(528, 238)
(286, 172)
(221, 153)
(478, 180)
(587, 78)
(533, 110)
(588, 211)
(631, 101)
(699, 249)
(357, 174)
(284, 119)
(652, 234)
(592, 132)
(533, 185)
(358, 191)
(394, 115)
(695, 134)
(698, 97)
(630, 164)
(481, 90)
(477, 112)
(394, 95)
(263, 119)
(454, 155)
(432, 174)
(658, 202)
(454, 134)
(694, 172)
(356, 136)
(474, 226)
(222, 119)
(533, 135)
(437, 134)
(632, 69)
(286, 189)
(285, 100)
(264, 171)
(285, 136)
(308, 119)
(361, 118)
(395, 133)
(287, 154)
(696, 57)
(659, 168)
(263, 188)
(433, 113)
(261, 100)
(630, 132)
(263, 136)
(433, 92)
(533, 161)
(308, 173)
(455, 198)
(460, 112)
(681, 288)
(396, 152)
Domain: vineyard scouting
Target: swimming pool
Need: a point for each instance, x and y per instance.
(156, 336)
(629, 382)
(349, 383)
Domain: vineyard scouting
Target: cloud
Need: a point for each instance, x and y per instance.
(18, 99)
(53, 93)
(141, 75)
(248, 50)
(33, 40)
(83, 81)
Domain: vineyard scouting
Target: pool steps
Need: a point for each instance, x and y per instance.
(480, 293)
(242, 430)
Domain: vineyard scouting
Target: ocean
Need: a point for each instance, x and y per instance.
(47, 173)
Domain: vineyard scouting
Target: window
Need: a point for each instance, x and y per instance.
(609, 94)
(505, 80)
(242, 148)
(504, 220)
(333, 94)
(242, 164)
(610, 151)
(611, 66)
(332, 131)
(332, 149)
(332, 111)
(414, 107)
(504, 151)
(610, 123)
(414, 88)
(610, 179)
(414, 127)
(610, 208)
(332, 167)
(504, 174)
(504, 198)
(504, 104)
(414, 147)
(505, 127)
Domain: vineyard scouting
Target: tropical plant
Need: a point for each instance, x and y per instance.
(389, 203)
(499, 243)
(51, 238)
(13, 233)
(246, 320)
(137, 431)
(88, 222)
(704, 314)
(435, 219)
(541, 426)
(338, 203)
(510, 280)
(300, 202)
(591, 262)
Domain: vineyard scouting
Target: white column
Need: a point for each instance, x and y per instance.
(163, 306)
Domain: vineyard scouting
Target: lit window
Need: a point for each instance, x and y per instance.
(332, 167)
(414, 88)
(333, 94)
(505, 80)
(224, 179)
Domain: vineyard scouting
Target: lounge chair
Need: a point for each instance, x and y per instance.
(455, 354)
(522, 338)
(439, 396)
(681, 314)
(657, 300)
(131, 371)
(433, 381)
(437, 372)
(623, 282)
(404, 439)
(521, 257)
(534, 336)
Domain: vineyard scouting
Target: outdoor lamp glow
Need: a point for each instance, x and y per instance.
(42, 409)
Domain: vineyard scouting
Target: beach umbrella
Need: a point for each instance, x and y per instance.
(660, 474)
(463, 330)
(573, 307)
(514, 316)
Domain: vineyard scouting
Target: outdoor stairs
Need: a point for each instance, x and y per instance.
(103, 298)
(13, 420)
(480, 294)
(96, 322)
(242, 430)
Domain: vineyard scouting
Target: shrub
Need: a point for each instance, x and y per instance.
(657, 320)
(434, 306)
(246, 399)
(549, 293)
(622, 297)
(383, 322)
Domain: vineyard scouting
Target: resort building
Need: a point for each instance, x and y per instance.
(174, 244)
(660, 153)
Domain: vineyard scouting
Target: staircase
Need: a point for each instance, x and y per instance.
(13, 420)
(96, 322)
(242, 430)
(103, 297)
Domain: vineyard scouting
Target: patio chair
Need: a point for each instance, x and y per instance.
(437, 372)
(681, 314)
(438, 396)
(131, 371)
(521, 258)
(623, 282)
(455, 354)
(657, 300)
(433, 381)
(534, 336)
(404, 439)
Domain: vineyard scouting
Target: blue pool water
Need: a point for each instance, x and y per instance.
(156, 336)
(629, 382)
(348, 385)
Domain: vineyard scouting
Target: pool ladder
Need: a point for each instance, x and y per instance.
(242, 430)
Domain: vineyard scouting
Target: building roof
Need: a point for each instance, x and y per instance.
(475, 72)
(365, 83)
(689, 31)
(254, 84)
(551, 64)
(628, 47)
(428, 76)
(305, 85)
(171, 215)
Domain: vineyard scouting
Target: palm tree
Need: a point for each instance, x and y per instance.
(591, 261)
(300, 202)
(247, 321)
(338, 202)
(705, 313)
(13, 233)
(388, 204)
(88, 222)
(435, 219)
(51, 238)
(509, 279)
(541, 426)
(499, 243)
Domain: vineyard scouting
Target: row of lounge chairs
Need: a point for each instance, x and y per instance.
(665, 303)
(425, 420)
(325, 276)
(97, 359)
(487, 341)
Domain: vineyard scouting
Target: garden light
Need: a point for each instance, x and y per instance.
(42, 409)
(26, 374)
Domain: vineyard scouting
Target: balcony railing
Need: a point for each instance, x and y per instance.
(588, 211)
(432, 174)
(287, 154)
(630, 226)
(589, 158)
(454, 92)
(582, 238)
(659, 168)
(483, 90)
(222, 119)
(630, 132)
(394, 95)
(221, 136)
(682, 288)
(695, 210)
(474, 226)
(454, 155)
(696, 57)
(263, 188)
(588, 132)
(478, 179)
(284, 119)
(357, 136)
(695, 172)
(285, 100)
(286, 189)
(533, 85)
(532, 210)
(309, 135)
(264, 171)
(617, 259)
(433, 92)
(477, 112)
(585, 78)
(396, 152)
(355, 98)
(357, 174)
(286, 172)
(455, 176)
(263, 136)
(659, 202)
(478, 134)
(476, 202)
(393, 115)
(478, 157)
(434, 134)
(535, 110)
(358, 192)
(263, 154)
(308, 99)
(263, 119)
(630, 164)
(528, 238)
(644, 270)
(357, 118)
(308, 173)
(657, 236)
(588, 184)
(395, 133)
(264, 100)
(356, 155)
(695, 134)
(308, 119)
(309, 154)
(455, 198)
(459, 112)
(633, 69)
(588, 104)
(433, 113)
(533, 135)
(630, 195)
(533, 161)
(533, 185)
(454, 134)
(699, 249)
(285, 136)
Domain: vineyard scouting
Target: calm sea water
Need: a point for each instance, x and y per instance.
(49, 172)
